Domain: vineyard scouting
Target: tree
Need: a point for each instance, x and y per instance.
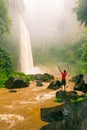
(5, 20)
(81, 11)
(6, 66)
(84, 58)
(5, 62)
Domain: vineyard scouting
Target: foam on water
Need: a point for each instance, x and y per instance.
(11, 119)
(44, 96)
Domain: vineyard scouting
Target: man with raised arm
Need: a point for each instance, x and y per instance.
(63, 76)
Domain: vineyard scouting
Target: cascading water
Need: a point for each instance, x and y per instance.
(26, 59)
(25, 52)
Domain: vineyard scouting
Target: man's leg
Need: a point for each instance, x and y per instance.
(64, 88)
(61, 85)
(64, 85)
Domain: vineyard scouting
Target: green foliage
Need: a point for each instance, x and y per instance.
(5, 62)
(81, 11)
(5, 21)
(57, 100)
(3, 78)
(6, 66)
(84, 58)
(71, 54)
(72, 101)
(25, 77)
(79, 99)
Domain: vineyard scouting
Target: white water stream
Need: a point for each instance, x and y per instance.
(26, 59)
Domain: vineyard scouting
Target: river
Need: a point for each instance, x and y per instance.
(21, 110)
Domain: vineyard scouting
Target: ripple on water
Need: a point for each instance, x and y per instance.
(10, 120)
(39, 98)
(27, 102)
(44, 96)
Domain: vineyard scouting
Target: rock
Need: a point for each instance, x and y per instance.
(47, 77)
(74, 116)
(13, 82)
(66, 96)
(77, 119)
(77, 78)
(52, 114)
(12, 90)
(85, 79)
(55, 126)
(38, 83)
(55, 85)
(80, 83)
(44, 77)
(39, 77)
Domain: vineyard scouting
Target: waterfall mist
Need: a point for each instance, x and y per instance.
(51, 21)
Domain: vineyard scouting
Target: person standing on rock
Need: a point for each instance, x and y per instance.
(63, 76)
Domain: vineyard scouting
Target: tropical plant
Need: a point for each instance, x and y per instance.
(5, 20)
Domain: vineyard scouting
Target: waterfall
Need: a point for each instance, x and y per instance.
(25, 64)
(26, 59)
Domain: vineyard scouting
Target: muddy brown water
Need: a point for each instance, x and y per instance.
(21, 110)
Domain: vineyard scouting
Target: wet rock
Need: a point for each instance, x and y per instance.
(47, 77)
(13, 82)
(39, 77)
(74, 117)
(67, 96)
(80, 83)
(13, 90)
(44, 77)
(55, 85)
(52, 114)
(77, 78)
(55, 126)
(38, 83)
(77, 119)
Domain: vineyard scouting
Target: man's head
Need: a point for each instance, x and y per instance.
(64, 71)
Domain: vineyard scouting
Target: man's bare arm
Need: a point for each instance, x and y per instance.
(59, 69)
(68, 69)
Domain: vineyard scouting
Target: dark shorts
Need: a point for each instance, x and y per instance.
(63, 82)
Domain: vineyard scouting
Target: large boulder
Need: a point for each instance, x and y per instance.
(44, 77)
(74, 116)
(13, 82)
(54, 85)
(52, 114)
(77, 119)
(77, 78)
(80, 82)
(67, 96)
(59, 112)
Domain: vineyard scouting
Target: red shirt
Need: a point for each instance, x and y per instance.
(63, 75)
